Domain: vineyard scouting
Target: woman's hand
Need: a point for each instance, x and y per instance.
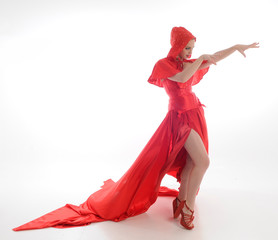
(210, 58)
(241, 48)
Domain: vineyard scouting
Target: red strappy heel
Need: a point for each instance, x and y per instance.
(186, 219)
(177, 207)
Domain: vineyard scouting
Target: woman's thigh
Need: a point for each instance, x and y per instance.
(196, 149)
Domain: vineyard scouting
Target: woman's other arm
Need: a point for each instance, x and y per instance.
(190, 68)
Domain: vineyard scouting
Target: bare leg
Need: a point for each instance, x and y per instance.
(200, 161)
(185, 174)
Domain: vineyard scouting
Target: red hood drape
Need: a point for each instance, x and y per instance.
(179, 39)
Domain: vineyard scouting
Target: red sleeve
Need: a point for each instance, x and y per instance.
(164, 68)
(198, 75)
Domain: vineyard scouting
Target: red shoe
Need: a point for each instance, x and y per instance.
(187, 219)
(177, 207)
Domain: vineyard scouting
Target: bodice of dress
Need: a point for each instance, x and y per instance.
(181, 97)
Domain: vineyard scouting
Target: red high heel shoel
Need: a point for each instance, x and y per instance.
(186, 219)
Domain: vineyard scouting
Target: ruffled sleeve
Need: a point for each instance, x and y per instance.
(163, 69)
(197, 77)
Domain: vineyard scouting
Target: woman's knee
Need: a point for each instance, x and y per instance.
(197, 151)
(206, 162)
(203, 163)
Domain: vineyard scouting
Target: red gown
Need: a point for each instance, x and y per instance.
(164, 154)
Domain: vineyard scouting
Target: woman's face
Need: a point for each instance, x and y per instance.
(187, 51)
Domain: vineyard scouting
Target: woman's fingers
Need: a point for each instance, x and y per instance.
(210, 58)
(242, 52)
(254, 45)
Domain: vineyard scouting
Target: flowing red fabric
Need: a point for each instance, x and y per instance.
(164, 154)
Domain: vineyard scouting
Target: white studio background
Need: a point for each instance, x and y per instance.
(76, 108)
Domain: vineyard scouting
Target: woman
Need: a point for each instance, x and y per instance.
(177, 74)
(179, 147)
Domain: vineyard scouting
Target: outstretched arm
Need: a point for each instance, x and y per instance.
(191, 68)
(218, 56)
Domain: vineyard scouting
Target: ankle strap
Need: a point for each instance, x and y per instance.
(188, 207)
(181, 205)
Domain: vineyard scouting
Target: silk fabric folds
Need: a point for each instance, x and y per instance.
(164, 154)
